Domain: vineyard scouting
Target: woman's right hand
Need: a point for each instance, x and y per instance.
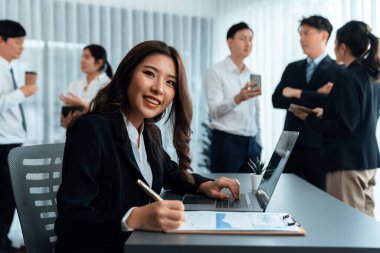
(319, 112)
(65, 121)
(158, 216)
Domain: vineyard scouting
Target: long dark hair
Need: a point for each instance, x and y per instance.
(114, 96)
(357, 36)
(99, 53)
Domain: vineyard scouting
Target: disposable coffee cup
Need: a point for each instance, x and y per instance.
(30, 77)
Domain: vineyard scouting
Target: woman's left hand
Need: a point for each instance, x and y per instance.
(73, 99)
(213, 188)
(319, 112)
(302, 115)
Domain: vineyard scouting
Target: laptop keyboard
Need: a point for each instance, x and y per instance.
(242, 202)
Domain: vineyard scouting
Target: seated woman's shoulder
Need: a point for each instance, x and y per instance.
(90, 119)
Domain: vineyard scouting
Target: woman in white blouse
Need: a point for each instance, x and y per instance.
(98, 73)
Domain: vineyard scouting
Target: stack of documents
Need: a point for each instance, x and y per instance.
(210, 222)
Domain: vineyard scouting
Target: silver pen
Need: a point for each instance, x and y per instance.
(148, 190)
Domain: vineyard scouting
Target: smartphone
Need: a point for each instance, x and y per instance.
(255, 79)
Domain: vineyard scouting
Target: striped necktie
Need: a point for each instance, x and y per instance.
(20, 106)
(311, 66)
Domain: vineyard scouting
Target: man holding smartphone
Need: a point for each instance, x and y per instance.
(306, 84)
(234, 106)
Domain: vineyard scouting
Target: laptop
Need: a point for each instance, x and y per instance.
(254, 201)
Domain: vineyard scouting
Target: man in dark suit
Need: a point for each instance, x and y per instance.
(307, 83)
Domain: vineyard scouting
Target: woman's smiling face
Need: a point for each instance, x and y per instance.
(152, 88)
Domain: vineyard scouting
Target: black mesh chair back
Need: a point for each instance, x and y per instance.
(36, 176)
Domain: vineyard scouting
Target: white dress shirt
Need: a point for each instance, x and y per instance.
(11, 129)
(139, 151)
(142, 162)
(223, 82)
(78, 87)
(318, 59)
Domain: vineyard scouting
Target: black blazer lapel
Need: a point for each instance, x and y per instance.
(322, 66)
(154, 159)
(125, 145)
(303, 74)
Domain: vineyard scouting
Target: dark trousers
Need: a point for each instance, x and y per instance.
(7, 201)
(230, 152)
(304, 162)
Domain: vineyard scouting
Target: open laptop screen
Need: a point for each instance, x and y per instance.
(275, 167)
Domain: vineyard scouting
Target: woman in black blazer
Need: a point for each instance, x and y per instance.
(350, 153)
(108, 149)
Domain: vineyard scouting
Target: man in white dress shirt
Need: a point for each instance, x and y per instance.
(233, 105)
(12, 121)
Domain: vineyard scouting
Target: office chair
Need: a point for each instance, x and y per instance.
(36, 175)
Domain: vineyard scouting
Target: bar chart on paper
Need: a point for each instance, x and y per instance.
(238, 222)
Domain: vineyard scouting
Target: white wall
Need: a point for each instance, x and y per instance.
(202, 8)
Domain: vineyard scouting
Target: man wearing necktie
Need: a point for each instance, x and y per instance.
(307, 83)
(12, 120)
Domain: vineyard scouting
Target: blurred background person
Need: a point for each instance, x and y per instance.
(307, 82)
(234, 106)
(12, 119)
(98, 73)
(350, 153)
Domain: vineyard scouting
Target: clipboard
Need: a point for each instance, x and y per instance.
(211, 222)
(293, 107)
